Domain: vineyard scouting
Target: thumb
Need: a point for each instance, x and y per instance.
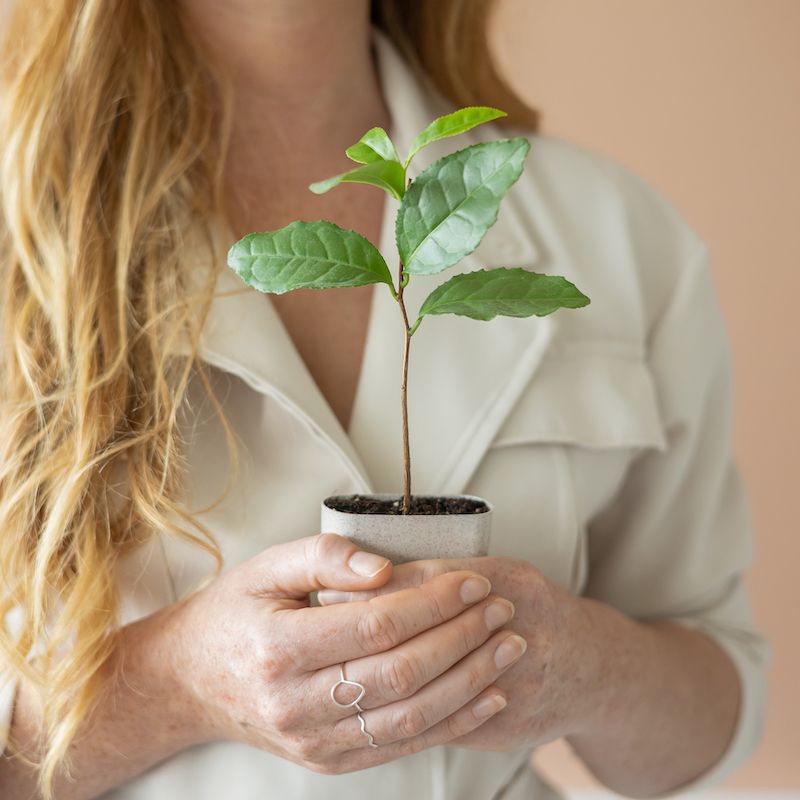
(325, 561)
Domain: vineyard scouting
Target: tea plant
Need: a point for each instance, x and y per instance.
(443, 216)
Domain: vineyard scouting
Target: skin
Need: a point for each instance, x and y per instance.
(318, 52)
(443, 632)
(248, 660)
(647, 707)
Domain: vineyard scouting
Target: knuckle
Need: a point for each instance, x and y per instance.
(273, 663)
(430, 569)
(323, 546)
(537, 588)
(410, 722)
(377, 630)
(466, 637)
(515, 563)
(436, 609)
(454, 727)
(308, 750)
(400, 676)
(410, 747)
(476, 680)
(530, 577)
(516, 569)
(280, 717)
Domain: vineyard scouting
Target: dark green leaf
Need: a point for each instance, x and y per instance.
(516, 292)
(307, 255)
(374, 145)
(449, 207)
(388, 175)
(452, 124)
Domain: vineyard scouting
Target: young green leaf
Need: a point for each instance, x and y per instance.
(516, 292)
(451, 125)
(374, 145)
(307, 255)
(449, 207)
(387, 175)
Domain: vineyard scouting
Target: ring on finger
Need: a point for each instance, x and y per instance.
(370, 738)
(362, 690)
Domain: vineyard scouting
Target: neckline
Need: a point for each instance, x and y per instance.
(385, 245)
(452, 415)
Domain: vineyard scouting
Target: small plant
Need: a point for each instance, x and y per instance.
(443, 216)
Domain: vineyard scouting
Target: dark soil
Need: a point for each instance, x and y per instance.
(364, 504)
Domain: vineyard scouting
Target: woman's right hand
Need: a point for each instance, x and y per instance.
(259, 662)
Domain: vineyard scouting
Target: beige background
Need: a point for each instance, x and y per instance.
(702, 98)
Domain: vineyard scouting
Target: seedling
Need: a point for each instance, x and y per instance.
(443, 216)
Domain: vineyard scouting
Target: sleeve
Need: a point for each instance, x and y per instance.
(674, 542)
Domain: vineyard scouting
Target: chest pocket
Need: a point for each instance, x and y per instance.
(562, 453)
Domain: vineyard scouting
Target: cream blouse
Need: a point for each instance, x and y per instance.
(601, 436)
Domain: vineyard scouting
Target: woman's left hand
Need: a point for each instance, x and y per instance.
(554, 689)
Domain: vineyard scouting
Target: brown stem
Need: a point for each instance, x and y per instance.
(404, 397)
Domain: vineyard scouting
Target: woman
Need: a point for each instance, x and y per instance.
(141, 138)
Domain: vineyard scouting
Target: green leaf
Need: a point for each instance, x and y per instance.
(486, 294)
(388, 175)
(449, 207)
(374, 145)
(307, 255)
(451, 125)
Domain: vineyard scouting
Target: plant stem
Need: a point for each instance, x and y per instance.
(401, 285)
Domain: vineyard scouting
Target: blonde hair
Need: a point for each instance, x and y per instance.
(114, 136)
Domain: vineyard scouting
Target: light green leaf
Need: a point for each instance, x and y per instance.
(516, 292)
(452, 124)
(388, 175)
(449, 207)
(374, 145)
(307, 255)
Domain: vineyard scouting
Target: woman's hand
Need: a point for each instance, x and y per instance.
(260, 662)
(598, 677)
(552, 691)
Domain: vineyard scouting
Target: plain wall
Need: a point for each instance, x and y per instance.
(702, 99)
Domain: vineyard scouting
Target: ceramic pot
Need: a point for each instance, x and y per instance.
(411, 537)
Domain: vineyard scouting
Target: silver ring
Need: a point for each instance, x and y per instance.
(371, 742)
(362, 690)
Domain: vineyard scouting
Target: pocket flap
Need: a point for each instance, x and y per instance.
(591, 399)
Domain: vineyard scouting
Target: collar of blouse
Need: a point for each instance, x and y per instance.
(465, 376)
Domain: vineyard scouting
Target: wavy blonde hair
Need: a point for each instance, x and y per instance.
(113, 140)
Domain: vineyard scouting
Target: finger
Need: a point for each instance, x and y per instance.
(294, 569)
(461, 723)
(442, 697)
(321, 637)
(403, 671)
(404, 576)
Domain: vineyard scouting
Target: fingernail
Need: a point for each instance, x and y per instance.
(487, 706)
(367, 564)
(498, 613)
(509, 651)
(327, 597)
(474, 589)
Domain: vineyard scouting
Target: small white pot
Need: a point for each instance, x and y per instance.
(411, 537)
